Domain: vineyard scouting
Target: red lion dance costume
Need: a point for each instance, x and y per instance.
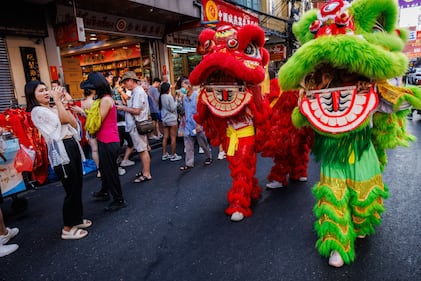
(287, 145)
(234, 111)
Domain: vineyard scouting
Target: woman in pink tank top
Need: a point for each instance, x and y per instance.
(108, 142)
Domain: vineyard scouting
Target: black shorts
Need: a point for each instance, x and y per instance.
(155, 116)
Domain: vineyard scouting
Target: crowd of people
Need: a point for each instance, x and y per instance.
(122, 101)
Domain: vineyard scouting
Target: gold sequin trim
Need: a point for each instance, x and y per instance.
(390, 92)
(346, 248)
(344, 228)
(362, 188)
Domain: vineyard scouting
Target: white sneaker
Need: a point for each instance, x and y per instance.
(166, 156)
(127, 163)
(201, 151)
(335, 259)
(274, 184)
(11, 232)
(7, 249)
(237, 216)
(121, 171)
(302, 179)
(175, 157)
(221, 155)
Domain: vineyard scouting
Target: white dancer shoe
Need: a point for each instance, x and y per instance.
(274, 184)
(7, 249)
(221, 155)
(237, 216)
(335, 259)
(121, 171)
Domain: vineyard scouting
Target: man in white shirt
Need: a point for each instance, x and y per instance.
(137, 107)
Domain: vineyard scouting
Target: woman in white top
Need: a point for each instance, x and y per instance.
(59, 128)
(168, 108)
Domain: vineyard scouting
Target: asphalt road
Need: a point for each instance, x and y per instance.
(175, 229)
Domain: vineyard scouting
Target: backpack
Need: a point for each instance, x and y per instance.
(93, 120)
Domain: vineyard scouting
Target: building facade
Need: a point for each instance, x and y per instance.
(65, 40)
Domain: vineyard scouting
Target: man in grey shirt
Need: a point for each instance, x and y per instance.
(153, 94)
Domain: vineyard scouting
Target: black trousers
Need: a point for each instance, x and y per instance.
(71, 176)
(108, 154)
(124, 136)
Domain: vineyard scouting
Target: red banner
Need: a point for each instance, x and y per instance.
(54, 72)
(276, 52)
(219, 12)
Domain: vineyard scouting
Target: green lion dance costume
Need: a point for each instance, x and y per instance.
(348, 53)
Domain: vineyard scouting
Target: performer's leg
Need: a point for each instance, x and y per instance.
(334, 222)
(299, 153)
(368, 192)
(279, 171)
(243, 167)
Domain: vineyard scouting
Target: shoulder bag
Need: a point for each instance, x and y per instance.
(144, 127)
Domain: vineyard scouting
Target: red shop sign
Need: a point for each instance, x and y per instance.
(219, 12)
(276, 52)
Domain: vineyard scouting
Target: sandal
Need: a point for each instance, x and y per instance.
(139, 174)
(185, 168)
(86, 223)
(141, 178)
(73, 233)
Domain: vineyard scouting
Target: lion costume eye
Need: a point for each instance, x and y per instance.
(232, 43)
(315, 26)
(208, 44)
(252, 50)
(342, 19)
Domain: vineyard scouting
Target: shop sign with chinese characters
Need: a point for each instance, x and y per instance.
(30, 63)
(413, 46)
(219, 12)
(276, 52)
(106, 22)
(409, 3)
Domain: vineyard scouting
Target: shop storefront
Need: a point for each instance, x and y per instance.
(117, 60)
(182, 54)
(112, 43)
(182, 45)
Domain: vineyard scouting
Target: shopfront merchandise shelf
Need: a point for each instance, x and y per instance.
(116, 67)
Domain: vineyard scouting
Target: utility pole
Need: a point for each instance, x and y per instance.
(290, 36)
